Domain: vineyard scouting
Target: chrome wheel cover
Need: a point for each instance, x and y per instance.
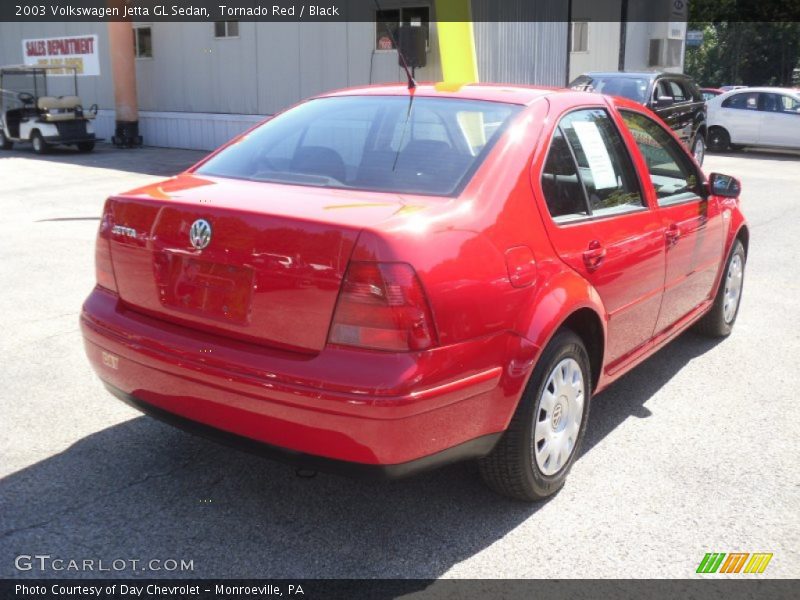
(699, 150)
(733, 288)
(37, 143)
(558, 418)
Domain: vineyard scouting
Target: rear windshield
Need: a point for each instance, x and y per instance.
(380, 143)
(634, 88)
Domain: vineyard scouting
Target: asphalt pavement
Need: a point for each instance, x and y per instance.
(695, 451)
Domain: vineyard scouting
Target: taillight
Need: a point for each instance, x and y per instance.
(104, 271)
(382, 306)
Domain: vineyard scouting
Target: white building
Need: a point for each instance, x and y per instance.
(200, 83)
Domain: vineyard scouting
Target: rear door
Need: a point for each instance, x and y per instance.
(692, 223)
(601, 226)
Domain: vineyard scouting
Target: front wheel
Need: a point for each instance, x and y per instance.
(699, 149)
(719, 321)
(39, 145)
(5, 143)
(532, 459)
(718, 139)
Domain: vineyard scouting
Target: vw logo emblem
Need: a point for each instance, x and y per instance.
(557, 414)
(200, 234)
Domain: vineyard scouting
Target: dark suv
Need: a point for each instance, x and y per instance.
(672, 96)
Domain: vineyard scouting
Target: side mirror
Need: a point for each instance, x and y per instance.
(665, 101)
(724, 185)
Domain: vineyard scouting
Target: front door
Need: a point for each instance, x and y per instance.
(780, 120)
(601, 226)
(693, 230)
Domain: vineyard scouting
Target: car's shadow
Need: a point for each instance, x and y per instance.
(146, 160)
(142, 490)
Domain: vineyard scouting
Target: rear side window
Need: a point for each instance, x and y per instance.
(747, 101)
(671, 171)
(394, 144)
(588, 171)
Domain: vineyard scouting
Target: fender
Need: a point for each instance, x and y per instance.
(551, 307)
(736, 225)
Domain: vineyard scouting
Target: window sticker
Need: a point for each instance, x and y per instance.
(594, 148)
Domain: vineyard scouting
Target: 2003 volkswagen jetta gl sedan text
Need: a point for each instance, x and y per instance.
(384, 280)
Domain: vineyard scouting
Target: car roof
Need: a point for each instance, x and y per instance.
(776, 90)
(640, 74)
(511, 94)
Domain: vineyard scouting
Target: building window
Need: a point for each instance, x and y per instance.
(674, 51)
(143, 42)
(226, 29)
(388, 22)
(654, 58)
(580, 36)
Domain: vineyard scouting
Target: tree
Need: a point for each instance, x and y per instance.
(745, 53)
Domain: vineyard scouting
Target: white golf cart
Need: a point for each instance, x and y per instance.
(29, 114)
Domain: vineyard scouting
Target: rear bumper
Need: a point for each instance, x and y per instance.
(388, 414)
(470, 449)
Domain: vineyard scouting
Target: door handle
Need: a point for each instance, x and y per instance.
(673, 234)
(593, 257)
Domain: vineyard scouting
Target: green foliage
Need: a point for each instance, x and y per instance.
(735, 53)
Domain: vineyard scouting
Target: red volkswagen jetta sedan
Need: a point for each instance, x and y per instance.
(385, 280)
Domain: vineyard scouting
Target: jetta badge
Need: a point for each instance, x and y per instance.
(200, 234)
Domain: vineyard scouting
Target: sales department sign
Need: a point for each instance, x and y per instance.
(78, 51)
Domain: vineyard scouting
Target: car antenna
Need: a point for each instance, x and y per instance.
(411, 81)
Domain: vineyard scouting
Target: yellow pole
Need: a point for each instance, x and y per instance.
(456, 41)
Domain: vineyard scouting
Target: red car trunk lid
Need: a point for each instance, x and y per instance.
(271, 270)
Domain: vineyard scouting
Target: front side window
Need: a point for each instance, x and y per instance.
(671, 171)
(743, 101)
(588, 171)
(677, 92)
(381, 143)
(790, 104)
(778, 103)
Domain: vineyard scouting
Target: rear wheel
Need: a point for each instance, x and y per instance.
(719, 321)
(532, 459)
(718, 139)
(5, 143)
(85, 146)
(39, 145)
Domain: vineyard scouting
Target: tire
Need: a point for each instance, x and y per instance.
(699, 148)
(719, 139)
(39, 145)
(514, 467)
(85, 146)
(5, 143)
(719, 321)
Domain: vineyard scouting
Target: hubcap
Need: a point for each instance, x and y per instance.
(733, 288)
(699, 151)
(558, 419)
(37, 143)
